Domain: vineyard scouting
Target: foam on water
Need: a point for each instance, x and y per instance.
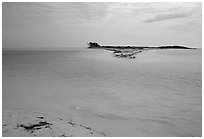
(157, 94)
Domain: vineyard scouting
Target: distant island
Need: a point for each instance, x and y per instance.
(131, 51)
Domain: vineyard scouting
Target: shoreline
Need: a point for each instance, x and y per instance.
(125, 53)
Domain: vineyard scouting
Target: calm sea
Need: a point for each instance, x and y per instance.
(157, 94)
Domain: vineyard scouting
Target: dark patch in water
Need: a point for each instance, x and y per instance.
(157, 121)
(111, 116)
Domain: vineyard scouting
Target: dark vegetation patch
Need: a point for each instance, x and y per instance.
(32, 127)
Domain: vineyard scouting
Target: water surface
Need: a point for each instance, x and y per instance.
(157, 94)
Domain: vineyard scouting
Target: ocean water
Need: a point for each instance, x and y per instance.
(157, 94)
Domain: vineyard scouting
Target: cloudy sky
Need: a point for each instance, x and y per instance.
(48, 25)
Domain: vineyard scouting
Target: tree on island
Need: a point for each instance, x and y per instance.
(93, 45)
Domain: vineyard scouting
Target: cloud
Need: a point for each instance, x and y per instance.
(162, 17)
(72, 12)
(63, 10)
(189, 11)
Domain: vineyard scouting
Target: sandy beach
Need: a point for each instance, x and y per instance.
(19, 123)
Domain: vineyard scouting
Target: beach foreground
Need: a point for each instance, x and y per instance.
(19, 123)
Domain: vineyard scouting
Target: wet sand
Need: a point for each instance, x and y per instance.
(21, 123)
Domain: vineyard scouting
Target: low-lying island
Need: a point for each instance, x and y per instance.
(131, 51)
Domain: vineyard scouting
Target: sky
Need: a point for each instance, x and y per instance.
(67, 24)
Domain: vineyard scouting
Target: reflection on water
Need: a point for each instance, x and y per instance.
(156, 94)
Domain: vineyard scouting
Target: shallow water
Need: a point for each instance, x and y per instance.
(157, 94)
